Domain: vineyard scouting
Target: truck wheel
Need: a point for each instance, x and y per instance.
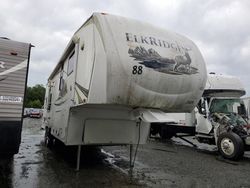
(230, 145)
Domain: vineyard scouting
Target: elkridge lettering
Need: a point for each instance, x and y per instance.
(155, 42)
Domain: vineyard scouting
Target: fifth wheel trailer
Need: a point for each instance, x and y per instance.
(14, 63)
(220, 117)
(116, 76)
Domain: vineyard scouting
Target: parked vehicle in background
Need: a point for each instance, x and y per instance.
(220, 118)
(35, 113)
(14, 63)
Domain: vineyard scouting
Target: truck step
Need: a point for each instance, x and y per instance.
(204, 136)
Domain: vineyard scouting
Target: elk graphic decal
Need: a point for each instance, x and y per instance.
(180, 64)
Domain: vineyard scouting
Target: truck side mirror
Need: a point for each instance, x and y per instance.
(242, 111)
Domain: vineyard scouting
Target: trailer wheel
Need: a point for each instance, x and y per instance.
(230, 145)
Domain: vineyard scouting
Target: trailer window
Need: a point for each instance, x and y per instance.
(71, 63)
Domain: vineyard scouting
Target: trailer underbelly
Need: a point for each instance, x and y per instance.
(105, 125)
(93, 124)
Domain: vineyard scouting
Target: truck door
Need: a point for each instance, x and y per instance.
(203, 124)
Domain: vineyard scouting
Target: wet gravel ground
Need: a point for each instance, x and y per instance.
(171, 163)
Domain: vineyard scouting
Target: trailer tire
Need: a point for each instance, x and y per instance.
(230, 145)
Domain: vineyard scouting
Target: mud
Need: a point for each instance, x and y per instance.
(172, 163)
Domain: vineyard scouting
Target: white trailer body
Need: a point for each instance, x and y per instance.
(115, 77)
(14, 63)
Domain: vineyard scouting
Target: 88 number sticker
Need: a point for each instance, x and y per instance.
(137, 69)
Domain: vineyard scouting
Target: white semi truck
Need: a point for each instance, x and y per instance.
(115, 77)
(220, 118)
(14, 63)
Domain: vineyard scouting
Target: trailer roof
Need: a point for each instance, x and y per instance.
(95, 17)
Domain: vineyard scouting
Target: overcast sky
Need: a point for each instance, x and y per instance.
(221, 29)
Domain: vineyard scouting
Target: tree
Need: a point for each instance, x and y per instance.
(34, 96)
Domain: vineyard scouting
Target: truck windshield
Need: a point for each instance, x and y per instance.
(227, 106)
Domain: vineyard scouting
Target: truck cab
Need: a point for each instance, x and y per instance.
(207, 107)
(221, 116)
